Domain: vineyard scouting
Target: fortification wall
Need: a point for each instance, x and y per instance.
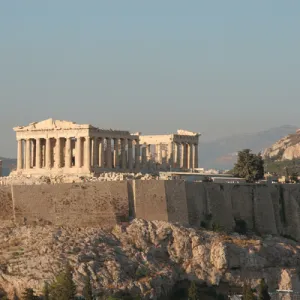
(290, 199)
(150, 201)
(6, 204)
(242, 204)
(263, 210)
(176, 201)
(91, 204)
(196, 203)
(266, 209)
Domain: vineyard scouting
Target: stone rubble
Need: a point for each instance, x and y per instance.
(146, 258)
(106, 176)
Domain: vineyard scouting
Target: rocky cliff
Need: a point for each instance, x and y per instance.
(286, 148)
(145, 258)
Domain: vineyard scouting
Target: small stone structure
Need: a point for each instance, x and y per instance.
(173, 151)
(62, 147)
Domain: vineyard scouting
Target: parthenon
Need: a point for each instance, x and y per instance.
(63, 147)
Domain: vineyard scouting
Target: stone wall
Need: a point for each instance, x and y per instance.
(6, 204)
(92, 204)
(265, 209)
(150, 200)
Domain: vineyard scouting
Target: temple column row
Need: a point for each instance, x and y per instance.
(112, 158)
(176, 155)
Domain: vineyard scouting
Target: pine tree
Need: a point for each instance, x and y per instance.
(263, 293)
(29, 294)
(87, 290)
(193, 291)
(249, 166)
(63, 288)
(46, 291)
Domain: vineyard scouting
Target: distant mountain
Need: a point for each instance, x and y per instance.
(7, 165)
(221, 153)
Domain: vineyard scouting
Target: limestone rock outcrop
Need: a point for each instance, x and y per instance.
(146, 258)
(286, 148)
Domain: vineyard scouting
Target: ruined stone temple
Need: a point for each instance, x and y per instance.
(63, 147)
(175, 151)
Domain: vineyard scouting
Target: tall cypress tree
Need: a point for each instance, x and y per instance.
(263, 293)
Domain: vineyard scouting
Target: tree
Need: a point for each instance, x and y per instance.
(248, 293)
(29, 294)
(63, 288)
(46, 291)
(87, 290)
(249, 166)
(193, 291)
(294, 177)
(263, 293)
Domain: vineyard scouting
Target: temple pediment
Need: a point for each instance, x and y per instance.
(186, 132)
(51, 124)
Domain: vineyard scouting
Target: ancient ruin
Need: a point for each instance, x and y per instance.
(173, 151)
(63, 147)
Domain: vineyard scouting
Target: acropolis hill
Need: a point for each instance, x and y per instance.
(141, 236)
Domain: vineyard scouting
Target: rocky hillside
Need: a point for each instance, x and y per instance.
(221, 153)
(287, 148)
(145, 258)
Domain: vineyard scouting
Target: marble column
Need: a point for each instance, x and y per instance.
(95, 151)
(20, 155)
(78, 159)
(48, 153)
(68, 153)
(87, 152)
(148, 153)
(181, 155)
(27, 154)
(144, 157)
(33, 153)
(101, 153)
(116, 153)
(123, 154)
(196, 156)
(159, 153)
(185, 155)
(108, 153)
(170, 154)
(175, 155)
(58, 153)
(130, 154)
(137, 155)
(191, 156)
(38, 161)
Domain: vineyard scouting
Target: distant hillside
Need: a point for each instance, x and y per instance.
(287, 148)
(7, 165)
(221, 153)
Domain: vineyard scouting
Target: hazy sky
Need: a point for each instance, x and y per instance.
(216, 67)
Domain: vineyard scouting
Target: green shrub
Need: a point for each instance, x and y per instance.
(240, 226)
